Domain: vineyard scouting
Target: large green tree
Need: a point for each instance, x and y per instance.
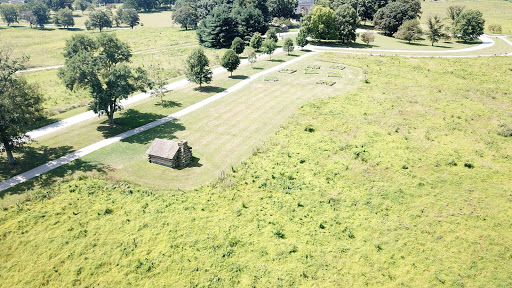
(321, 23)
(9, 13)
(130, 17)
(249, 21)
(256, 41)
(238, 45)
(282, 8)
(217, 30)
(454, 11)
(40, 15)
(409, 31)
(302, 39)
(198, 68)
(81, 5)
(20, 103)
(435, 29)
(230, 61)
(269, 47)
(99, 19)
(346, 23)
(186, 16)
(64, 18)
(469, 25)
(393, 15)
(101, 65)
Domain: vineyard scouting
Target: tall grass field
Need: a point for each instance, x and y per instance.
(404, 181)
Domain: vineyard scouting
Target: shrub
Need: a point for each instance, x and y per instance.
(367, 37)
(505, 130)
(495, 28)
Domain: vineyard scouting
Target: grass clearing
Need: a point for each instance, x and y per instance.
(70, 139)
(357, 190)
(495, 11)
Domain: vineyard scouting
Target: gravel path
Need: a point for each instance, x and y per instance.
(98, 145)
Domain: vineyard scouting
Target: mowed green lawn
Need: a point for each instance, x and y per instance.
(55, 145)
(226, 132)
(494, 11)
(402, 182)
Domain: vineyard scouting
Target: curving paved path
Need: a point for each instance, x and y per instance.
(486, 43)
(98, 145)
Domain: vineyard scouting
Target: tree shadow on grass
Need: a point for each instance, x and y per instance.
(239, 77)
(29, 157)
(41, 123)
(49, 179)
(347, 45)
(257, 68)
(129, 119)
(210, 89)
(277, 60)
(164, 131)
(168, 104)
(73, 29)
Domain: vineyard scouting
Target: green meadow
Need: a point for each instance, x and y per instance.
(405, 181)
(494, 11)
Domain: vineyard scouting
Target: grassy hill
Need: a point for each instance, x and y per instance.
(403, 182)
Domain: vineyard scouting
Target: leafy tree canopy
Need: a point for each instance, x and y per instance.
(20, 103)
(100, 65)
(230, 61)
(198, 68)
(469, 25)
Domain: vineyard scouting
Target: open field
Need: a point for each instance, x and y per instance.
(403, 182)
(70, 139)
(495, 11)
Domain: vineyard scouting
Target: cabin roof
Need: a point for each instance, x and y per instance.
(163, 148)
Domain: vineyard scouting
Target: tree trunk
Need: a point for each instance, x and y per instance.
(8, 150)
(110, 114)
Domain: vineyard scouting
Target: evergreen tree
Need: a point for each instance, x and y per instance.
(217, 29)
(249, 21)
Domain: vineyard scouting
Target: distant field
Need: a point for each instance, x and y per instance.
(495, 11)
(402, 182)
